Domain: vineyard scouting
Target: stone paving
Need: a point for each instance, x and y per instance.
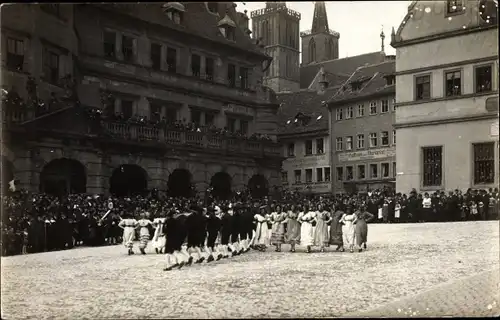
(402, 260)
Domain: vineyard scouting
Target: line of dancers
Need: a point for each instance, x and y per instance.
(214, 232)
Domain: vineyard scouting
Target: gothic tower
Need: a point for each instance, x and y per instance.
(320, 43)
(278, 28)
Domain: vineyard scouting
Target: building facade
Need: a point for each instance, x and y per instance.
(132, 65)
(362, 134)
(277, 28)
(447, 96)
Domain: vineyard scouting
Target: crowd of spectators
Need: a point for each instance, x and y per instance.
(40, 222)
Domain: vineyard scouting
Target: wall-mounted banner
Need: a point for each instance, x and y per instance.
(367, 155)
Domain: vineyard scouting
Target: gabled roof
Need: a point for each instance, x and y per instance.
(342, 67)
(372, 80)
(310, 104)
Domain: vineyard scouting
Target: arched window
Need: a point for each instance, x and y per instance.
(264, 32)
(312, 50)
(328, 50)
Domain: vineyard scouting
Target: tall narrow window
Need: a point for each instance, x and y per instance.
(338, 144)
(349, 173)
(384, 138)
(195, 65)
(327, 174)
(385, 106)
(320, 146)
(340, 174)
(373, 171)
(284, 177)
(309, 147)
(244, 78)
(349, 113)
(484, 163)
(312, 51)
(209, 69)
(360, 141)
(348, 143)
(385, 170)
(171, 115)
(231, 124)
(423, 88)
(361, 172)
(128, 48)
(393, 136)
(291, 150)
(209, 118)
(231, 75)
(361, 110)
(15, 54)
(51, 66)
(373, 107)
(373, 140)
(339, 114)
(127, 109)
(195, 116)
(244, 127)
(319, 174)
(394, 173)
(453, 83)
(483, 79)
(171, 60)
(298, 176)
(432, 166)
(155, 112)
(309, 175)
(156, 55)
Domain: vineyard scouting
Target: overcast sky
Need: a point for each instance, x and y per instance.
(359, 22)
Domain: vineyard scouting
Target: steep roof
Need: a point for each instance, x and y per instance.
(344, 66)
(372, 80)
(307, 102)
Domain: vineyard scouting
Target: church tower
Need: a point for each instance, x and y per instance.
(320, 43)
(278, 28)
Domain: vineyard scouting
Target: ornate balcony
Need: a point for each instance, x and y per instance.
(207, 141)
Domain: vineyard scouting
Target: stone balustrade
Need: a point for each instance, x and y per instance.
(137, 132)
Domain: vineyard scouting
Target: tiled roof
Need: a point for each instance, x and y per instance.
(372, 82)
(310, 103)
(344, 66)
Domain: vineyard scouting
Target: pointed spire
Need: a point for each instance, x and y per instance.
(320, 19)
(382, 37)
(393, 35)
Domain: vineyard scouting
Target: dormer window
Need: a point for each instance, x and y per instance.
(227, 27)
(355, 86)
(390, 80)
(174, 11)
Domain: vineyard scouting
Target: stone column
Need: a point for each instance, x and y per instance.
(97, 176)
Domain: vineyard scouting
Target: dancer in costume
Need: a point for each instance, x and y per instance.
(128, 225)
(213, 228)
(143, 224)
(336, 228)
(225, 232)
(348, 221)
(293, 227)
(361, 228)
(159, 238)
(260, 240)
(234, 211)
(307, 229)
(321, 235)
(278, 228)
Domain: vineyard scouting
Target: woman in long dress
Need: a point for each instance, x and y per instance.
(128, 225)
(278, 228)
(260, 240)
(348, 221)
(336, 228)
(321, 236)
(307, 229)
(293, 227)
(361, 228)
(159, 238)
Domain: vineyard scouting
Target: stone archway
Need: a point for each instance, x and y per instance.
(258, 186)
(221, 186)
(128, 180)
(180, 184)
(63, 176)
(7, 175)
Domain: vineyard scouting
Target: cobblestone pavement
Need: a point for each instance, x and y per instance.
(401, 260)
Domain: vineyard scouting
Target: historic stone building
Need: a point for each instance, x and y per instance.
(277, 27)
(124, 65)
(447, 96)
(362, 130)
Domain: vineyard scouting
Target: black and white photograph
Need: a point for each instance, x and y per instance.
(228, 160)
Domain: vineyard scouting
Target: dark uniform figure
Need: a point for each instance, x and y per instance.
(213, 225)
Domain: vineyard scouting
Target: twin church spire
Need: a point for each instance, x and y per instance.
(320, 18)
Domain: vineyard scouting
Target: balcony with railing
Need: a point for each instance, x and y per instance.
(263, 11)
(309, 32)
(120, 131)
